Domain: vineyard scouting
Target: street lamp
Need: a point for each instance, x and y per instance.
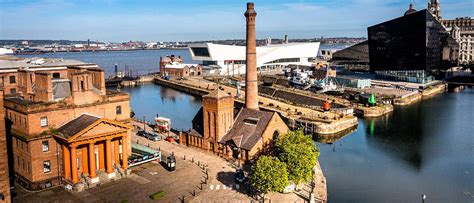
(423, 197)
(171, 162)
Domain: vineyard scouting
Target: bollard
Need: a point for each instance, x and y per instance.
(199, 163)
(184, 157)
(192, 160)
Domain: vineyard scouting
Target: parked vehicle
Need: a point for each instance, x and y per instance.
(153, 137)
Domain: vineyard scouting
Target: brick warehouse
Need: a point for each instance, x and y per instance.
(66, 128)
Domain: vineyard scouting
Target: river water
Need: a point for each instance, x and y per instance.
(425, 148)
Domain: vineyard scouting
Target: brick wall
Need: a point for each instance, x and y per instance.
(4, 170)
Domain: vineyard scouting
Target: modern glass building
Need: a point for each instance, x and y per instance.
(411, 45)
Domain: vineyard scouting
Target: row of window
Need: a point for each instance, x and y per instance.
(44, 119)
(17, 119)
(24, 146)
(20, 144)
(22, 164)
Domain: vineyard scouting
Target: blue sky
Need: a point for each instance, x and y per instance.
(183, 20)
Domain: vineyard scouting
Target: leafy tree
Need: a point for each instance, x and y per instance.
(299, 153)
(269, 174)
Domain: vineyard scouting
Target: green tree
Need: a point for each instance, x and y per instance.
(299, 153)
(269, 175)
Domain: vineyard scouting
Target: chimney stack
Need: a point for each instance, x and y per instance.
(251, 88)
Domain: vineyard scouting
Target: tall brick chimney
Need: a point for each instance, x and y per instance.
(251, 88)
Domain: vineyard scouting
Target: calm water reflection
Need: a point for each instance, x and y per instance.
(149, 100)
(426, 148)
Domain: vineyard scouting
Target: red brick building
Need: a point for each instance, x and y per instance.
(172, 66)
(66, 128)
(4, 170)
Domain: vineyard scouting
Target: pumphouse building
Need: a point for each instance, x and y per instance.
(244, 135)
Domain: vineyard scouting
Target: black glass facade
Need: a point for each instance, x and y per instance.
(411, 42)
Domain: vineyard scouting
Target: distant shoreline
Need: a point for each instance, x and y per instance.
(77, 51)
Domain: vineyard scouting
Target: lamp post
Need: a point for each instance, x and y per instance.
(423, 197)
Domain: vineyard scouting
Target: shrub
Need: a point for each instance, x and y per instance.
(157, 195)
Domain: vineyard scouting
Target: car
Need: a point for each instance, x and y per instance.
(141, 133)
(153, 137)
(240, 176)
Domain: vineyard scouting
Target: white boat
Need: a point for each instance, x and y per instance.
(300, 78)
(4, 51)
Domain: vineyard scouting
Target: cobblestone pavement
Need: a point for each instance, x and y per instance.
(145, 180)
(221, 186)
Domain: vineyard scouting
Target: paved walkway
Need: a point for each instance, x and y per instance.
(145, 180)
(221, 186)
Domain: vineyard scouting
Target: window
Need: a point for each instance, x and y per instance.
(45, 145)
(12, 90)
(46, 166)
(44, 121)
(56, 75)
(12, 79)
(118, 109)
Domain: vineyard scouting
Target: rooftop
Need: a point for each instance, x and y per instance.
(248, 128)
(76, 125)
(14, 62)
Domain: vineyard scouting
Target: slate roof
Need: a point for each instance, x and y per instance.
(198, 124)
(248, 128)
(218, 93)
(76, 125)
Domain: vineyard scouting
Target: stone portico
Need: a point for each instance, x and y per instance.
(92, 145)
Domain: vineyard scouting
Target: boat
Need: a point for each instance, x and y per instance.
(300, 79)
(163, 124)
(329, 86)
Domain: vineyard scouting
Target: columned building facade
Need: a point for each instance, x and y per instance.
(66, 128)
(96, 148)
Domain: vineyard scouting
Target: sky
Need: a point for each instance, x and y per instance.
(190, 20)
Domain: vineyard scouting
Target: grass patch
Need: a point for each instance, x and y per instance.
(157, 195)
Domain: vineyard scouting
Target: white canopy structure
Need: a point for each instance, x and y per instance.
(230, 59)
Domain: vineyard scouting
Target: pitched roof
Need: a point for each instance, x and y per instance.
(218, 93)
(76, 125)
(248, 128)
